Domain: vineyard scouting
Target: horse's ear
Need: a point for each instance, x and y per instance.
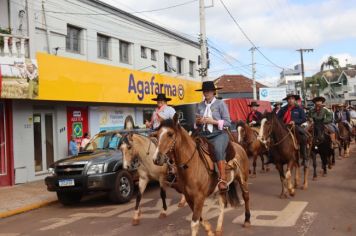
(176, 119)
(154, 134)
(130, 136)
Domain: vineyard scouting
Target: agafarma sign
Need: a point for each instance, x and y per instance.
(142, 88)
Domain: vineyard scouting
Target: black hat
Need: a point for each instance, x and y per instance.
(161, 97)
(296, 97)
(208, 86)
(277, 103)
(254, 104)
(317, 99)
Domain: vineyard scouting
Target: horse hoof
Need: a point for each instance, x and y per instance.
(247, 224)
(263, 171)
(218, 233)
(324, 175)
(315, 178)
(268, 169)
(304, 187)
(135, 222)
(330, 167)
(253, 176)
(162, 215)
(283, 196)
(181, 204)
(292, 193)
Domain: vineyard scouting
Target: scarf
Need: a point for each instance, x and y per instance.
(208, 113)
(252, 116)
(287, 118)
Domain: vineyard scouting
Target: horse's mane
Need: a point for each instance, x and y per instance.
(248, 131)
(271, 116)
(169, 123)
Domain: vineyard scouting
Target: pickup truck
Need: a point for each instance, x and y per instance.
(97, 168)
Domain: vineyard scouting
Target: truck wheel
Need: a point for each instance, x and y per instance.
(123, 188)
(69, 198)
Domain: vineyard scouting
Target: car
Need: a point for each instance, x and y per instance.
(99, 167)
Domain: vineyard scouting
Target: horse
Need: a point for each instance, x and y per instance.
(248, 139)
(345, 139)
(196, 171)
(136, 146)
(321, 145)
(282, 144)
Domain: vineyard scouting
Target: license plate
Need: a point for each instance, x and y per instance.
(66, 182)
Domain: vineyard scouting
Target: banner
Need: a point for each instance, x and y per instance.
(64, 79)
(272, 94)
(113, 118)
(77, 122)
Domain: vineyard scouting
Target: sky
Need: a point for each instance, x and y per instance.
(276, 27)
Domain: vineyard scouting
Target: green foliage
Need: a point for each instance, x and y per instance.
(4, 31)
(331, 62)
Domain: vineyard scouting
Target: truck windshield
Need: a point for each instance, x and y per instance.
(104, 141)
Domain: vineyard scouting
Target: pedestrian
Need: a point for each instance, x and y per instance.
(162, 112)
(254, 117)
(73, 147)
(211, 118)
(85, 141)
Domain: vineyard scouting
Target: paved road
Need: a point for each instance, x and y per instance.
(328, 207)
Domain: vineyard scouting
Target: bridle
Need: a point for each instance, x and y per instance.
(270, 136)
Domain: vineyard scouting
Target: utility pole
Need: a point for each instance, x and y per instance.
(253, 73)
(304, 89)
(203, 71)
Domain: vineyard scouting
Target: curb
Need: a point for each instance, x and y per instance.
(27, 208)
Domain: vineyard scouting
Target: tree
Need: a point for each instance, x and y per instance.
(331, 62)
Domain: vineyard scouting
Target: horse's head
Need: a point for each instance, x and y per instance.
(240, 127)
(266, 128)
(166, 136)
(319, 133)
(128, 152)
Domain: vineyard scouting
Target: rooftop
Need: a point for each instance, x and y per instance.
(236, 84)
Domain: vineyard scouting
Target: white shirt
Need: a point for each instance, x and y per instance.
(165, 112)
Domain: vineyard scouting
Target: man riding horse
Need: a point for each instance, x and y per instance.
(294, 115)
(162, 112)
(212, 116)
(343, 115)
(320, 114)
(254, 117)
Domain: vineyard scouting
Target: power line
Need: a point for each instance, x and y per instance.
(135, 12)
(248, 38)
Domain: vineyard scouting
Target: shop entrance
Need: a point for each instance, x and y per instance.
(6, 167)
(44, 141)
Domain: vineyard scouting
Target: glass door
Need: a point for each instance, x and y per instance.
(43, 130)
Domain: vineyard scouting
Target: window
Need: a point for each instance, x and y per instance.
(167, 63)
(143, 52)
(124, 52)
(103, 46)
(153, 55)
(179, 65)
(191, 68)
(73, 38)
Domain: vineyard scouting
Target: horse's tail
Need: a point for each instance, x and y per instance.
(232, 196)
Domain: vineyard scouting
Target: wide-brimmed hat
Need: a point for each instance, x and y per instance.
(318, 99)
(277, 103)
(208, 86)
(161, 97)
(253, 104)
(296, 97)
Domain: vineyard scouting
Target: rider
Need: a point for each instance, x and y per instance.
(294, 115)
(211, 117)
(162, 112)
(343, 115)
(254, 117)
(319, 113)
(277, 106)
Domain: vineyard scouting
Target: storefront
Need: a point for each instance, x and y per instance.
(6, 156)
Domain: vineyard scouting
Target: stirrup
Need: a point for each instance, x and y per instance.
(225, 182)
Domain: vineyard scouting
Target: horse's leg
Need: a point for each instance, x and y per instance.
(219, 231)
(297, 175)
(263, 163)
(197, 211)
(163, 197)
(254, 166)
(290, 166)
(314, 166)
(282, 177)
(142, 183)
(333, 156)
(182, 201)
(324, 160)
(246, 197)
(207, 227)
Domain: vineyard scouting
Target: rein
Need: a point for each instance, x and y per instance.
(284, 137)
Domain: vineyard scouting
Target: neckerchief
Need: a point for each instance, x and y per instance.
(208, 113)
(287, 118)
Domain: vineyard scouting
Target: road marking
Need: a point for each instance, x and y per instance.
(286, 218)
(79, 216)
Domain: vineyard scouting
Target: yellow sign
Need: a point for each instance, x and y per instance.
(64, 79)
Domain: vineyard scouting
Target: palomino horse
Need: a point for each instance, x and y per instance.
(345, 139)
(195, 170)
(282, 144)
(141, 147)
(248, 139)
(322, 146)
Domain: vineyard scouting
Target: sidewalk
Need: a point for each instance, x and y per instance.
(24, 197)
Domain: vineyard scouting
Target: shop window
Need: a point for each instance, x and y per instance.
(179, 65)
(153, 55)
(143, 52)
(124, 52)
(168, 63)
(191, 68)
(73, 39)
(103, 46)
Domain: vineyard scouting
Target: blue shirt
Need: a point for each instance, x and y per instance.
(73, 148)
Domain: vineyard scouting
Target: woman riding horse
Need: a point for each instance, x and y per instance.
(212, 116)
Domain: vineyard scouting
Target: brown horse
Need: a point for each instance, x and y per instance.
(345, 139)
(248, 139)
(282, 145)
(195, 170)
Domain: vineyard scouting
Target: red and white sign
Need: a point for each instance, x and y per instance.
(77, 122)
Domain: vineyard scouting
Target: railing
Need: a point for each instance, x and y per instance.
(13, 46)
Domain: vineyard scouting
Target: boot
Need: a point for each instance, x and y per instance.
(222, 184)
(335, 142)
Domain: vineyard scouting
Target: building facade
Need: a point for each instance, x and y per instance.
(290, 78)
(71, 67)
